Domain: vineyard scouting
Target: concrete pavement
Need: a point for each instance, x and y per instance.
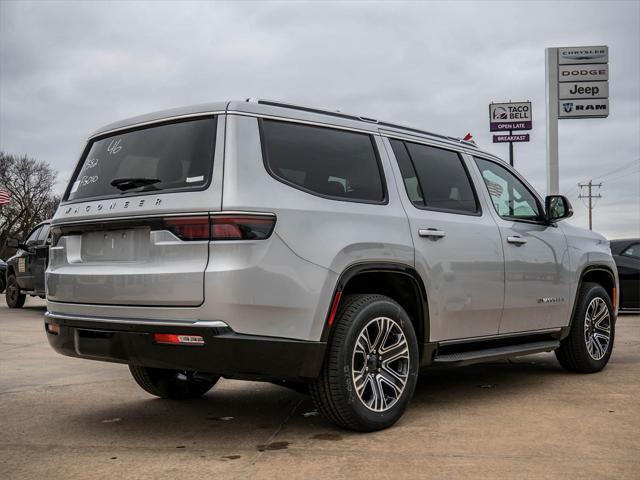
(68, 418)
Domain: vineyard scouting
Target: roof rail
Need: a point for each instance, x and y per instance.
(273, 103)
(336, 113)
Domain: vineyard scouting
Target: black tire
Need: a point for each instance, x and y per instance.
(335, 393)
(576, 353)
(13, 297)
(171, 384)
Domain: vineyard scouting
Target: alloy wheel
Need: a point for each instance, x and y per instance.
(597, 328)
(380, 364)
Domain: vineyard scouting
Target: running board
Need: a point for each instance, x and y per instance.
(498, 353)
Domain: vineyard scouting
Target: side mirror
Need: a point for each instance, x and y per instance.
(13, 243)
(557, 207)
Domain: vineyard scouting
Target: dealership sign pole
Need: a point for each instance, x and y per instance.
(509, 117)
(577, 86)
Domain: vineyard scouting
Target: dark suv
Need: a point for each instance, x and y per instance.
(25, 270)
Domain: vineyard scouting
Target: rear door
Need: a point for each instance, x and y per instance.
(537, 274)
(458, 252)
(134, 226)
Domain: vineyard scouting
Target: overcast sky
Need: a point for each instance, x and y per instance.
(67, 68)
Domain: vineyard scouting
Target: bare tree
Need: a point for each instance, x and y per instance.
(30, 183)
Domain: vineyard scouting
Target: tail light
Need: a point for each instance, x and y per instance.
(188, 228)
(222, 227)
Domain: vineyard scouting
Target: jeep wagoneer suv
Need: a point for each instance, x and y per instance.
(265, 241)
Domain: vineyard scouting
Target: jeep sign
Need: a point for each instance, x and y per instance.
(584, 90)
(596, 108)
(510, 116)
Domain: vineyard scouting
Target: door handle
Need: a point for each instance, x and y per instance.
(431, 232)
(516, 240)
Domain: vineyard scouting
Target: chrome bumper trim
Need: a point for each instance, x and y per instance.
(139, 321)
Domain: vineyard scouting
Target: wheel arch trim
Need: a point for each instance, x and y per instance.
(585, 271)
(354, 270)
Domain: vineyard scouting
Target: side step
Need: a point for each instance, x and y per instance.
(497, 353)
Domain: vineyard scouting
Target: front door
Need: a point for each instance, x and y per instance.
(27, 260)
(40, 258)
(458, 252)
(537, 277)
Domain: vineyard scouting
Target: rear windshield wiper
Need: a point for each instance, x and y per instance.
(133, 182)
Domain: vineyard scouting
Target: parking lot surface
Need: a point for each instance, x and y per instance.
(527, 418)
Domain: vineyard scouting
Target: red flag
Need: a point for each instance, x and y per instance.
(467, 137)
(5, 197)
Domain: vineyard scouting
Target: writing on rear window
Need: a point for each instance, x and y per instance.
(165, 157)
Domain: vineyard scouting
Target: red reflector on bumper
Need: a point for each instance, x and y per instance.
(177, 339)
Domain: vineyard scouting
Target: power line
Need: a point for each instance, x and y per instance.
(590, 196)
(618, 169)
(625, 166)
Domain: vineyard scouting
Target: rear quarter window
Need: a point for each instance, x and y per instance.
(179, 155)
(332, 163)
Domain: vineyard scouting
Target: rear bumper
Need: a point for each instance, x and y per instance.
(224, 352)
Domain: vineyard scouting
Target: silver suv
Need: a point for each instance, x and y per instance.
(324, 251)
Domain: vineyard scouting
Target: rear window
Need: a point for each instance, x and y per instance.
(332, 163)
(169, 157)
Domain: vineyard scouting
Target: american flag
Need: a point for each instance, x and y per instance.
(5, 197)
(495, 190)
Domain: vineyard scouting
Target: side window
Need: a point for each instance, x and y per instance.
(411, 184)
(328, 162)
(435, 178)
(44, 233)
(510, 197)
(632, 251)
(33, 236)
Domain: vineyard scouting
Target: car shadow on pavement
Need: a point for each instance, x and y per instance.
(238, 409)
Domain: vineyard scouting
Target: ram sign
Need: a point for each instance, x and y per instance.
(592, 108)
(510, 116)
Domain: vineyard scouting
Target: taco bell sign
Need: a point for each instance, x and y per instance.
(510, 116)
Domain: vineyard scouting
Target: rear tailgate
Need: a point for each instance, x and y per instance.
(135, 262)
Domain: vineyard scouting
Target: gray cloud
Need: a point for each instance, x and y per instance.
(67, 68)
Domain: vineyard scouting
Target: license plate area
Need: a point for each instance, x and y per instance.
(115, 245)
(99, 344)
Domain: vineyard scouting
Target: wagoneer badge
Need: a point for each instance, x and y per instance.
(112, 205)
(551, 300)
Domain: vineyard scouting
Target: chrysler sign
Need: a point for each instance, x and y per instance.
(579, 55)
(510, 116)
